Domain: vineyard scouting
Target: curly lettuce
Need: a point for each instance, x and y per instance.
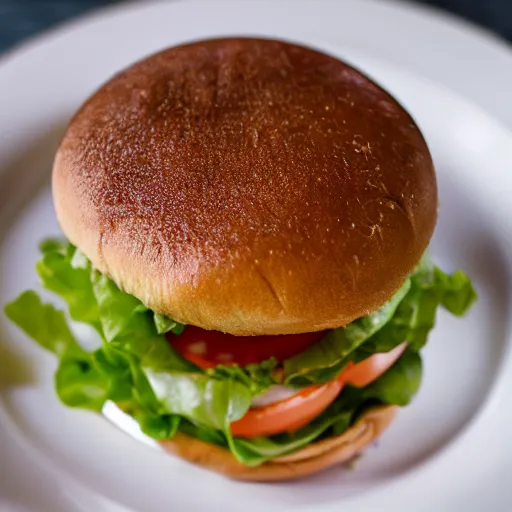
(138, 369)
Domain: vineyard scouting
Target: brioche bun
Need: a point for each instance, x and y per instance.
(248, 186)
(313, 458)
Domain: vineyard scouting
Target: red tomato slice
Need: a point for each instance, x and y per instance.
(297, 411)
(287, 415)
(208, 349)
(368, 370)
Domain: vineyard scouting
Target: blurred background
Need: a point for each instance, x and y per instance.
(20, 19)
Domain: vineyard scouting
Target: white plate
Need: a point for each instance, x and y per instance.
(451, 449)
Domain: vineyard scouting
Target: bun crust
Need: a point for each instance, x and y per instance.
(248, 186)
(311, 459)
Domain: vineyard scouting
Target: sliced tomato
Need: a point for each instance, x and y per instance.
(300, 409)
(368, 370)
(208, 349)
(287, 415)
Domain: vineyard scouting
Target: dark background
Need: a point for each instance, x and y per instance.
(20, 19)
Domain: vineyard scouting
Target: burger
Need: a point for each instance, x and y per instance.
(246, 227)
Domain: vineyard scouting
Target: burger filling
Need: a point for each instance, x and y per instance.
(260, 397)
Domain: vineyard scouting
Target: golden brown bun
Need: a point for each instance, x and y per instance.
(311, 459)
(248, 186)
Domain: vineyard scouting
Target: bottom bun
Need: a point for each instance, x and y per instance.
(311, 459)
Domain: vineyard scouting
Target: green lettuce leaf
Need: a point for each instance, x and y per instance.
(63, 273)
(165, 324)
(44, 323)
(129, 330)
(92, 297)
(258, 450)
(416, 314)
(77, 381)
(118, 317)
(209, 435)
(88, 379)
(120, 314)
(54, 245)
(203, 401)
(79, 384)
(126, 368)
(257, 377)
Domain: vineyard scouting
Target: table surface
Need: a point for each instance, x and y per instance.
(20, 19)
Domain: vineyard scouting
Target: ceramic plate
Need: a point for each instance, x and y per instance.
(451, 449)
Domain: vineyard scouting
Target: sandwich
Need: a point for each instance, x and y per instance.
(246, 228)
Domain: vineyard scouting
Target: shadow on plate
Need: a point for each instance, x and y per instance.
(16, 369)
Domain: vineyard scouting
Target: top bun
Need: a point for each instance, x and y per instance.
(247, 185)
